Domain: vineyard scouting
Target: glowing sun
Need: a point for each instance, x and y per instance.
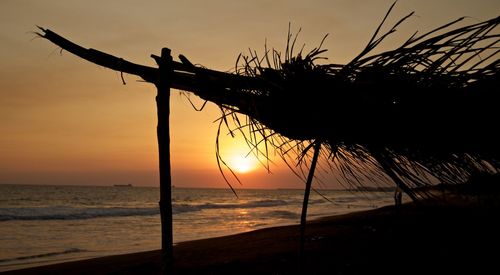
(243, 164)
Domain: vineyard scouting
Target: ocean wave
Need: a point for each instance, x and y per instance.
(182, 208)
(44, 255)
(71, 213)
(346, 200)
(81, 213)
(282, 214)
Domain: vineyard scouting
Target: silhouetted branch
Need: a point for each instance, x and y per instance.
(186, 76)
(149, 74)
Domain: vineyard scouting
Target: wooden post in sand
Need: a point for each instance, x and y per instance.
(163, 133)
(305, 203)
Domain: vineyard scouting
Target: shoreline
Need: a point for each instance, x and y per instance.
(428, 239)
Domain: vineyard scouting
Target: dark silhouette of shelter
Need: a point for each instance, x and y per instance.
(427, 109)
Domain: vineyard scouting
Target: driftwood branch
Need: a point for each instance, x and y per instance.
(209, 84)
(149, 74)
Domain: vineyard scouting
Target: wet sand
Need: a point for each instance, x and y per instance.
(414, 239)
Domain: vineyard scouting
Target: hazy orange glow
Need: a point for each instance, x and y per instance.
(66, 121)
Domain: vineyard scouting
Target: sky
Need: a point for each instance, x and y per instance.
(66, 121)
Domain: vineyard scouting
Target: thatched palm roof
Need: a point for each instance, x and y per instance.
(422, 113)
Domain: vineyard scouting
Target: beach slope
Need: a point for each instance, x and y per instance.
(424, 239)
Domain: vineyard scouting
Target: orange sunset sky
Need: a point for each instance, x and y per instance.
(67, 121)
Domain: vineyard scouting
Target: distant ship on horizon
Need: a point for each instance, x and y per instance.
(123, 185)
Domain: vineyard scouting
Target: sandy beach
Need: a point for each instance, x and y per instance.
(424, 239)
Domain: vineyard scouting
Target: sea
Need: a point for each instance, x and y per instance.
(42, 225)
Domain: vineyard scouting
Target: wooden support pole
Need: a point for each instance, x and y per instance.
(163, 133)
(305, 202)
(388, 169)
